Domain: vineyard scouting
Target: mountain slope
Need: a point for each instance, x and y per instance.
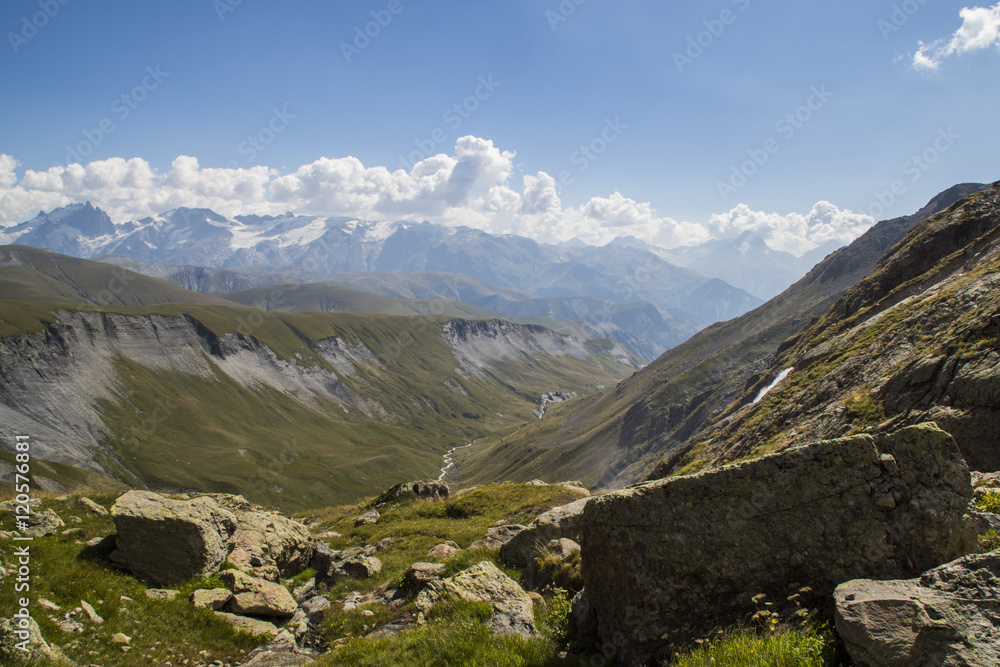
(292, 408)
(39, 275)
(917, 340)
(618, 436)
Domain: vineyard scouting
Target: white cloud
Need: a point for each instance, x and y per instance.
(980, 29)
(795, 233)
(473, 187)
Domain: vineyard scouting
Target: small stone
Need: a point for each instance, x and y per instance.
(119, 638)
(91, 612)
(165, 594)
(92, 506)
(443, 551)
(48, 604)
(370, 517)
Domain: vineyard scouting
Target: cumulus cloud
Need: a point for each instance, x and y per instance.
(980, 29)
(795, 232)
(473, 186)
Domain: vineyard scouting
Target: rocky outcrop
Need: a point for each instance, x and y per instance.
(254, 626)
(557, 523)
(420, 490)
(257, 597)
(671, 559)
(419, 575)
(358, 562)
(368, 518)
(497, 536)
(267, 544)
(949, 616)
(513, 612)
(168, 541)
(211, 598)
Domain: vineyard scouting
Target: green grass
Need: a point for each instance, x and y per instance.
(743, 648)
(443, 643)
(66, 571)
(988, 502)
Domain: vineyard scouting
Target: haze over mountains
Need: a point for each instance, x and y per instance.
(627, 290)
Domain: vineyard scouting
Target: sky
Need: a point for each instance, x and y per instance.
(554, 119)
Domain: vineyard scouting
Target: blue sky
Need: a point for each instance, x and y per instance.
(670, 124)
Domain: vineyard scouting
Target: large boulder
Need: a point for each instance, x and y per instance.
(267, 544)
(557, 523)
(949, 616)
(424, 489)
(670, 560)
(513, 612)
(257, 597)
(168, 541)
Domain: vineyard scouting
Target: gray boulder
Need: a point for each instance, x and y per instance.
(369, 517)
(256, 627)
(497, 536)
(38, 524)
(424, 489)
(950, 616)
(358, 567)
(513, 612)
(89, 504)
(210, 598)
(557, 523)
(257, 597)
(270, 546)
(669, 560)
(419, 575)
(168, 541)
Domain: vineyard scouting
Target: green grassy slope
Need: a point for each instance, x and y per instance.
(31, 274)
(333, 298)
(178, 431)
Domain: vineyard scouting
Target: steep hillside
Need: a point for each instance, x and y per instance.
(292, 409)
(618, 436)
(39, 275)
(916, 340)
(335, 299)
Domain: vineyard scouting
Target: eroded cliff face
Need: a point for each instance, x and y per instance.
(347, 402)
(51, 381)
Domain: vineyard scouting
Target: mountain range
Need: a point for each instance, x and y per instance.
(666, 417)
(627, 290)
